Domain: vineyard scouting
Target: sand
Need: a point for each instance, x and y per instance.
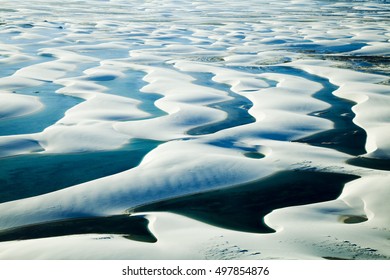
(225, 129)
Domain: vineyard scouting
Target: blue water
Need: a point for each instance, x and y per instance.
(35, 174)
(236, 108)
(130, 86)
(55, 106)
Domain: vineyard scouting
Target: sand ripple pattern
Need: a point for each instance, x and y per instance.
(194, 129)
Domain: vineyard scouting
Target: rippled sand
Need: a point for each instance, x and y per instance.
(194, 130)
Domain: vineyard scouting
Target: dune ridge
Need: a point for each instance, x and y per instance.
(146, 88)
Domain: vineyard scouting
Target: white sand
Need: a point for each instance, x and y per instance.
(13, 105)
(87, 48)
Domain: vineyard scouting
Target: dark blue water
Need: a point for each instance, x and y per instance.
(236, 108)
(35, 174)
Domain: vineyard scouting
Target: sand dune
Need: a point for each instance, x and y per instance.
(213, 130)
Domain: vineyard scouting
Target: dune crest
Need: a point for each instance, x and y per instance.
(194, 129)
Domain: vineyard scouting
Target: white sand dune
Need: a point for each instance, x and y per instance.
(235, 92)
(372, 100)
(18, 105)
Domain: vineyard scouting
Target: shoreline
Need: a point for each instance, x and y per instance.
(244, 207)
